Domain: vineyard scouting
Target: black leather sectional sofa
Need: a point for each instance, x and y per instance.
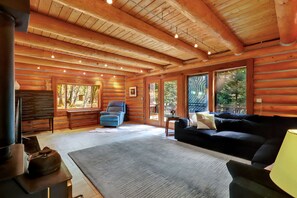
(253, 137)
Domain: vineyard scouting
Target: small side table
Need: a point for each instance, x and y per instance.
(169, 118)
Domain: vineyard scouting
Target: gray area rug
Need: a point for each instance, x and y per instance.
(154, 167)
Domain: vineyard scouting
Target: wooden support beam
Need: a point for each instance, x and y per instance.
(198, 12)
(57, 64)
(286, 12)
(227, 59)
(43, 54)
(103, 11)
(74, 32)
(61, 46)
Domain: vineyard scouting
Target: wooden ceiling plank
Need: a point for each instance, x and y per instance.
(43, 54)
(90, 22)
(286, 11)
(82, 19)
(34, 4)
(44, 6)
(74, 16)
(65, 13)
(55, 9)
(47, 43)
(199, 13)
(62, 65)
(100, 9)
(77, 33)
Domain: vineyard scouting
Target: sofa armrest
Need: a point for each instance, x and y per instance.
(257, 175)
(181, 123)
(245, 188)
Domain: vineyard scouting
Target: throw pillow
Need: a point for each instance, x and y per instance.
(193, 118)
(205, 121)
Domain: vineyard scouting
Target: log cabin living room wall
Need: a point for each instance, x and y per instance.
(38, 77)
(274, 85)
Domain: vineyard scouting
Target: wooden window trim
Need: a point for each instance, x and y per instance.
(74, 81)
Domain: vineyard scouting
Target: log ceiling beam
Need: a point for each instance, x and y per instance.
(227, 59)
(77, 33)
(286, 12)
(199, 13)
(103, 11)
(43, 54)
(62, 65)
(64, 47)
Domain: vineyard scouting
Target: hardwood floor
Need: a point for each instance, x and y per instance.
(65, 141)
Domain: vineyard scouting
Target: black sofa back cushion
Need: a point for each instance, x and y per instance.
(228, 115)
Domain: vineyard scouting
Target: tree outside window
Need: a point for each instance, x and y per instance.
(77, 96)
(231, 91)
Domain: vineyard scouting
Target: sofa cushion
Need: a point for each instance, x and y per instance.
(228, 115)
(224, 124)
(201, 132)
(267, 153)
(231, 137)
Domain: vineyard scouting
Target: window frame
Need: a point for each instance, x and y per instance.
(212, 69)
(75, 81)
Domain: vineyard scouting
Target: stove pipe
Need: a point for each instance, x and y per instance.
(14, 15)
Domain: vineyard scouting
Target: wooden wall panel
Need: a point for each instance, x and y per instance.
(136, 105)
(31, 78)
(275, 85)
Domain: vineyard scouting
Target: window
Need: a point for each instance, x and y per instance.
(77, 96)
(198, 93)
(231, 91)
(76, 93)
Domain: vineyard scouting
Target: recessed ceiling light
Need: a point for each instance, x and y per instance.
(64, 71)
(84, 73)
(105, 65)
(121, 67)
(141, 71)
(38, 67)
(196, 45)
(114, 76)
(109, 1)
(79, 61)
(101, 75)
(209, 52)
(52, 56)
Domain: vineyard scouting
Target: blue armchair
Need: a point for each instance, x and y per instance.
(114, 114)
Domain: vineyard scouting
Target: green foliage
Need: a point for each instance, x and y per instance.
(231, 88)
(170, 95)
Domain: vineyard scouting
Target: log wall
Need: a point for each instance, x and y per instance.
(136, 105)
(31, 78)
(275, 85)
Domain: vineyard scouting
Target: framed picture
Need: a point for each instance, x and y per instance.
(132, 92)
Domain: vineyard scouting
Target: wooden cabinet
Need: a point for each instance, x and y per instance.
(37, 105)
(83, 117)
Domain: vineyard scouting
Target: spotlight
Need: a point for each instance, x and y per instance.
(109, 1)
(176, 36)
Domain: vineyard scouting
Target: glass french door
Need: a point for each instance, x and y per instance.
(162, 99)
(153, 102)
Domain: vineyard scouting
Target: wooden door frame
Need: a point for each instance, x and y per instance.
(147, 101)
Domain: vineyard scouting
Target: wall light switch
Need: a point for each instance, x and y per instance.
(258, 100)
